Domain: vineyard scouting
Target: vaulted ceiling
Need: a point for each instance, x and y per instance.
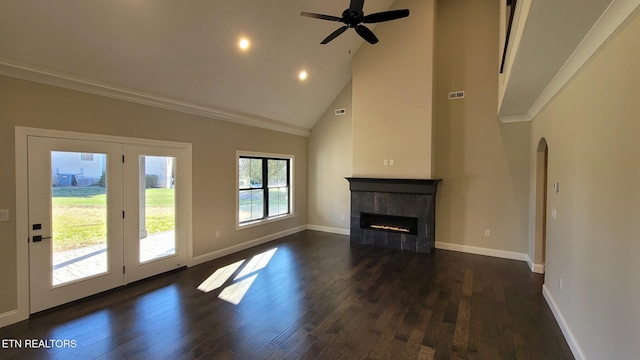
(550, 42)
(185, 54)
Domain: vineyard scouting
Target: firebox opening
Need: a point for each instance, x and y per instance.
(389, 223)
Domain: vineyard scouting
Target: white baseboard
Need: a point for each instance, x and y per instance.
(329, 229)
(482, 251)
(11, 317)
(455, 247)
(245, 245)
(566, 331)
(536, 268)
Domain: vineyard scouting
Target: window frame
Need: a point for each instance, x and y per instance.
(265, 187)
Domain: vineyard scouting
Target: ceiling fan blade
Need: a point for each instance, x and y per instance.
(334, 34)
(366, 34)
(321, 16)
(356, 6)
(385, 16)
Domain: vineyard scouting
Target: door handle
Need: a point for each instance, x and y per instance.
(38, 238)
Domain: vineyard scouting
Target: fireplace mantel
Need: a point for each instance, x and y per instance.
(403, 186)
(392, 199)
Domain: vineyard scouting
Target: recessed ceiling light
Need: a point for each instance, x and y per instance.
(244, 44)
(302, 75)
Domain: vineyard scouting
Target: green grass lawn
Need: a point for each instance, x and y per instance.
(80, 213)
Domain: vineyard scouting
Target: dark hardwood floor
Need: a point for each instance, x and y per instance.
(317, 298)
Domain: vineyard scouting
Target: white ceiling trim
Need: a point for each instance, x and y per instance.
(49, 77)
(609, 22)
(516, 118)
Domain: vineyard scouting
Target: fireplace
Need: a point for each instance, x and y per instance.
(396, 213)
(389, 223)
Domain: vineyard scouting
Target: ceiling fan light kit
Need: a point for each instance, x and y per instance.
(354, 17)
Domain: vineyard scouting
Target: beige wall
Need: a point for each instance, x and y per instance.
(484, 163)
(392, 90)
(592, 131)
(330, 161)
(214, 142)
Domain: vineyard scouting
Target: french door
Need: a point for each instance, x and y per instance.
(154, 228)
(101, 214)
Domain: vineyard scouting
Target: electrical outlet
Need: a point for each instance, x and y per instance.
(217, 233)
(487, 232)
(392, 162)
(554, 213)
(386, 162)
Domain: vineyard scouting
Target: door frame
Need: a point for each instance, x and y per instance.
(541, 203)
(22, 196)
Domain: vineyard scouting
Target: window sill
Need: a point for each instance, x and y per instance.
(264, 221)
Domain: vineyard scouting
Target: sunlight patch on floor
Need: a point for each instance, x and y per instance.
(236, 291)
(219, 277)
(257, 263)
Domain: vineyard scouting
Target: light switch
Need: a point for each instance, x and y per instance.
(4, 214)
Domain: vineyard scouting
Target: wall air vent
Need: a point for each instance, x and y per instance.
(456, 95)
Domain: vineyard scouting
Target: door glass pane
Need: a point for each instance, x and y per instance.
(157, 207)
(79, 215)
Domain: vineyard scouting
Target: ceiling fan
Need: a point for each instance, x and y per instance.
(353, 17)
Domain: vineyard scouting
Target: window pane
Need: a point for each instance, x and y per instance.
(256, 173)
(251, 205)
(250, 173)
(79, 216)
(157, 207)
(244, 173)
(277, 170)
(278, 201)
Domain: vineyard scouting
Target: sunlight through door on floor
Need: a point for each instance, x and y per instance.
(236, 291)
(256, 263)
(219, 277)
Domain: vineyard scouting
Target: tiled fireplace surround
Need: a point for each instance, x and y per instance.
(405, 198)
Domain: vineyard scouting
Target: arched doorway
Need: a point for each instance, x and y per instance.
(542, 159)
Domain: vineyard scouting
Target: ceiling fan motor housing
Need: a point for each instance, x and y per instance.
(352, 18)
